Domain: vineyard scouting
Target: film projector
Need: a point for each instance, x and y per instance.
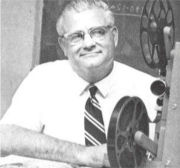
(128, 142)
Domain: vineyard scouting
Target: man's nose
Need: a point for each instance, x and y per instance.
(89, 43)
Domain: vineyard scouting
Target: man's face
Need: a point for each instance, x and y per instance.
(89, 54)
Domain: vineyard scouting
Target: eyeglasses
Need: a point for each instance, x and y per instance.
(96, 33)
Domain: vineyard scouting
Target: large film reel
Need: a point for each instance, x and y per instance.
(156, 15)
(129, 116)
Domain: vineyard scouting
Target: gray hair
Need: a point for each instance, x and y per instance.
(82, 5)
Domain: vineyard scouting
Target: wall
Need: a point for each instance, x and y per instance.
(20, 35)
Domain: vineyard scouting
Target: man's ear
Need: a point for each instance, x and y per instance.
(62, 45)
(115, 33)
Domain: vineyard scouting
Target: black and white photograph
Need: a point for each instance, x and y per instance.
(90, 84)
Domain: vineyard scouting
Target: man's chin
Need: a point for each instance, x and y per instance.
(92, 64)
(92, 61)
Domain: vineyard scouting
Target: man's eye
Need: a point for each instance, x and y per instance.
(98, 32)
(76, 37)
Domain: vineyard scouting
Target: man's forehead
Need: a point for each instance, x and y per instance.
(86, 19)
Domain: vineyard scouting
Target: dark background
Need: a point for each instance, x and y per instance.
(127, 15)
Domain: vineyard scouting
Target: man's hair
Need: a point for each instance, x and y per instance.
(79, 6)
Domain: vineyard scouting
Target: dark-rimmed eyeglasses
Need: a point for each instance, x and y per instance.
(96, 33)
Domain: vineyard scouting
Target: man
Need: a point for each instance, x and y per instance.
(46, 118)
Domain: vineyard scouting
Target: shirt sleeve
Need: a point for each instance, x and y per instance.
(25, 109)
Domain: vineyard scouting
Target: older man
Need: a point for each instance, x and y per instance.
(49, 114)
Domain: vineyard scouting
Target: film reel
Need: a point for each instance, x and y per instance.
(129, 116)
(156, 15)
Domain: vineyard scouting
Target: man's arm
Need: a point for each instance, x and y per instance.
(20, 141)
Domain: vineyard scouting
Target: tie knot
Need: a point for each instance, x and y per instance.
(93, 91)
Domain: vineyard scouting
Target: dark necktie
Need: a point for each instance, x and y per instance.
(94, 125)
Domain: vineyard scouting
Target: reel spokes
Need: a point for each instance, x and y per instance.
(128, 117)
(156, 15)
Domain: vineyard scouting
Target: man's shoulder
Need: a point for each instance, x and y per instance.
(52, 66)
(49, 71)
(131, 72)
(123, 66)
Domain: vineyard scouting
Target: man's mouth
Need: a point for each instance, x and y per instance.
(90, 54)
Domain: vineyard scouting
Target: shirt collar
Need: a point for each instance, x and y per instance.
(105, 84)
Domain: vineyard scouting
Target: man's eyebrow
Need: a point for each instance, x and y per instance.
(67, 34)
(87, 29)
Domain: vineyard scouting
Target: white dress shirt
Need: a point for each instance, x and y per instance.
(52, 98)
